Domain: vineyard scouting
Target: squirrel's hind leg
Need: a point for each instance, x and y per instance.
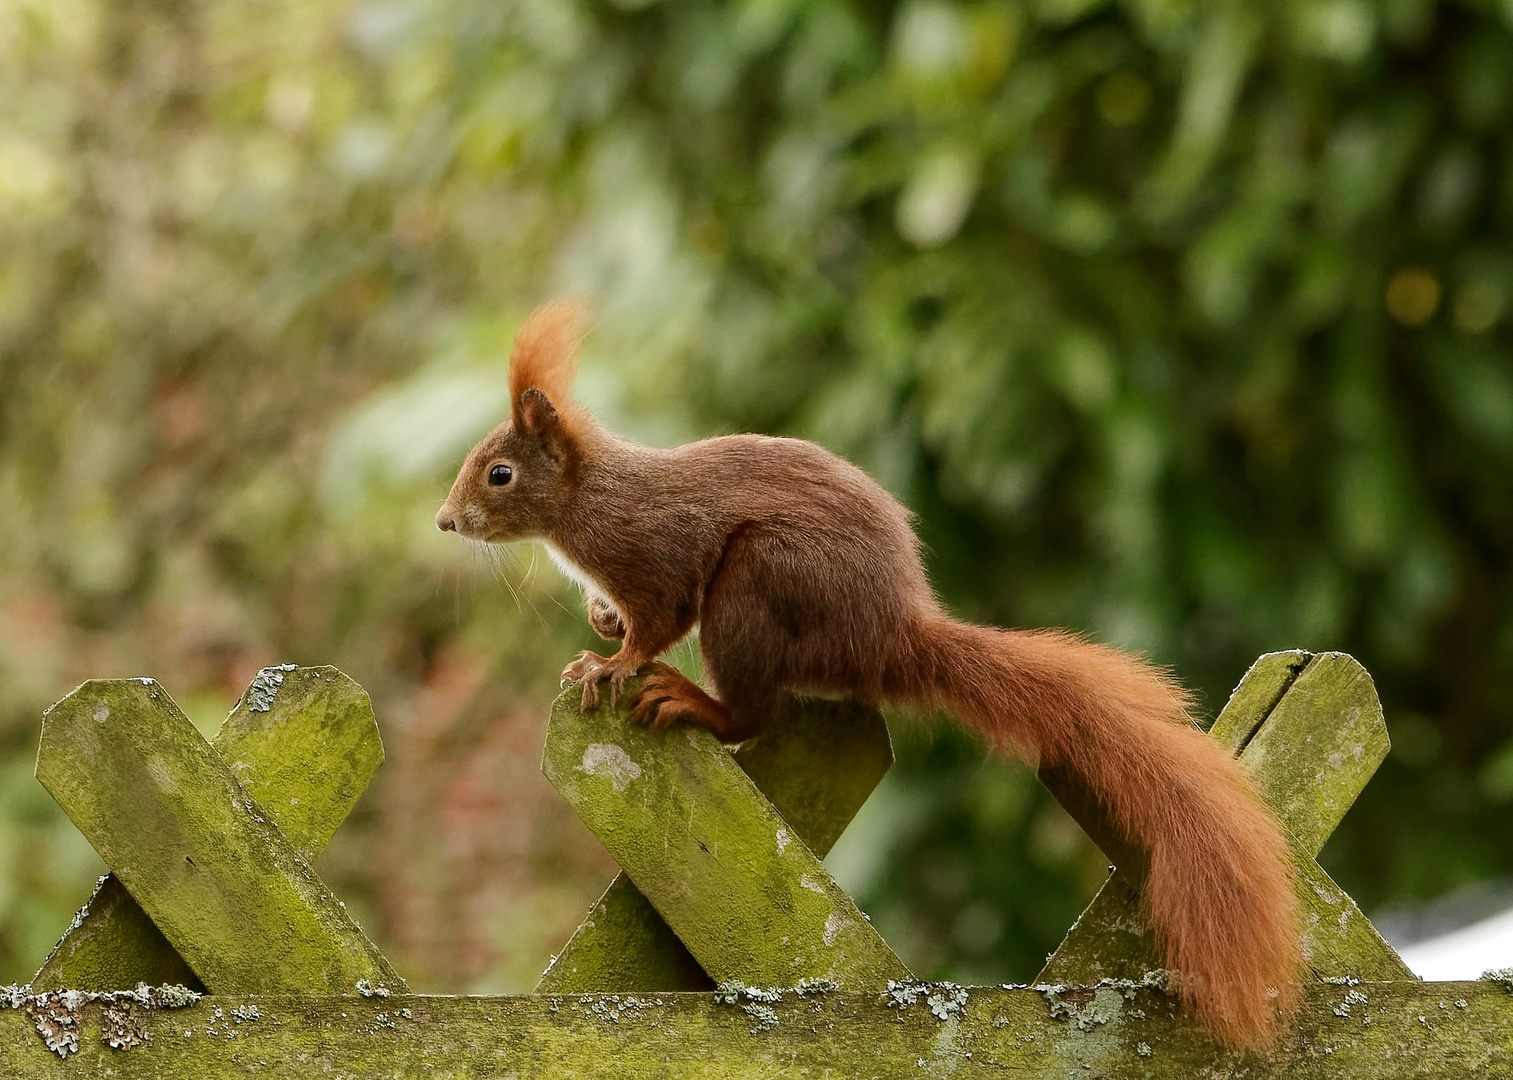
(667, 695)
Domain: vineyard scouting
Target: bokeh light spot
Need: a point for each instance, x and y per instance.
(1413, 296)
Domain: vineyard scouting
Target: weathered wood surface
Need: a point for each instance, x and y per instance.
(204, 859)
(816, 765)
(305, 743)
(1319, 747)
(1311, 732)
(305, 749)
(110, 944)
(1371, 1031)
(733, 879)
(1251, 702)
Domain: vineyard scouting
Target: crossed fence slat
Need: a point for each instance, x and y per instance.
(817, 765)
(304, 742)
(734, 880)
(726, 884)
(203, 857)
(1311, 731)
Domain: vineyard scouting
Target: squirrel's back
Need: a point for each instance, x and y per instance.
(762, 475)
(700, 493)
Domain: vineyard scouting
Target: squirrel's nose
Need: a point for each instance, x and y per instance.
(445, 521)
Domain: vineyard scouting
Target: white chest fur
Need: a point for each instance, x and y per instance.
(575, 572)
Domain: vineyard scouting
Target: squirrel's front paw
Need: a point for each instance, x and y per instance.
(575, 671)
(582, 670)
(591, 669)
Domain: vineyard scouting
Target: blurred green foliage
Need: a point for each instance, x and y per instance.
(1183, 323)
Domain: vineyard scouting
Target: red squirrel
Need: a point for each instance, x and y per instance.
(802, 573)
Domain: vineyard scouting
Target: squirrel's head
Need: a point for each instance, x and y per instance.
(516, 480)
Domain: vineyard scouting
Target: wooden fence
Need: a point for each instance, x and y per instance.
(724, 948)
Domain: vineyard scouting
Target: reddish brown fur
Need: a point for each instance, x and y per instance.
(802, 573)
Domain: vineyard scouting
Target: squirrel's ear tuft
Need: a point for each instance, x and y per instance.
(545, 355)
(535, 413)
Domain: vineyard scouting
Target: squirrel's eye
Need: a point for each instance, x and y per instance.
(500, 475)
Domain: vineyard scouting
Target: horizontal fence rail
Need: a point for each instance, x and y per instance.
(1370, 1031)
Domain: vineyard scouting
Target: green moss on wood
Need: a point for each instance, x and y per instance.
(1109, 940)
(1258, 693)
(1337, 939)
(306, 754)
(308, 757)
(203, 859)
(817, 765)
(623, 945)
(741, 889)
(1319, 747)
(1366, 1031)
(112, 944)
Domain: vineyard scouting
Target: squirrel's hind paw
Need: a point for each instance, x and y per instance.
(655, 702)
(667, 695)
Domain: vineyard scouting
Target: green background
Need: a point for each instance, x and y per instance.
(1179, 323)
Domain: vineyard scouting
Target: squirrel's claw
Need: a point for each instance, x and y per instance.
(591, 681)
(575, 671)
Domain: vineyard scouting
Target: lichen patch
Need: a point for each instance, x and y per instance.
(265, 685)
(944, 999)
(834, 925)
(55, 1013)
(611, 762)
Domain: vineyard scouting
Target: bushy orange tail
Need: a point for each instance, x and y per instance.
(1219, 893)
